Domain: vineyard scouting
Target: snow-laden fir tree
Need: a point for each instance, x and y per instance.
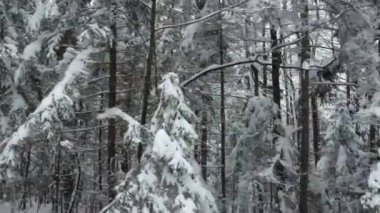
(254, 160)
(251, 155)
(344, 166)
(168, 179)
(371, 199)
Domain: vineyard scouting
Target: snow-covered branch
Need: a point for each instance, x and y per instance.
(55, 106)
(134, 128)
(116, 112)
(202, 18)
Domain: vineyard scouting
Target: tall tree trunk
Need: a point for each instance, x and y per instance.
(254, 71)
(148, 73)
(57, 179)
(255, 74)
(100, 158)
(276, 62)
(111, 123)
(26, 185)
(315, 121)
(204, 148)
(265, 79)
(74, 196)
(222, 113)
(304, 114)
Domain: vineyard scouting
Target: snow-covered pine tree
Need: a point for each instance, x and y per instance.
(251, 155)
(168, 179)
(371, 199)
(344, 165)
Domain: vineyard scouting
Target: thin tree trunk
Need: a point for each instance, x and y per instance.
(111, 122)
(348, 88)
(57, 178)
(287, 100)
(276, 62)
(204, 148)
(304, 114)
(372, 138)
(254, 71)
(222, 114)
(74, 195)
(265, 79)
(315, 117)
(26, 191)
(149, 63)
(100, 158)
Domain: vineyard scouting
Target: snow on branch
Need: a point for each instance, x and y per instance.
(56, 106)
(134, 128)
(116, 112)
(202, 18)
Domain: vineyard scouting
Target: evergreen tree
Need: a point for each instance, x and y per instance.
(168, 179)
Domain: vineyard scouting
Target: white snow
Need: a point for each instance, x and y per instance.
(306, 65)
(67, 144)
(76, 68)
(46, 107)
(134, 127)
(3, 124)
(117, 112)
(39, 13)
(18, 102)
(31, 49)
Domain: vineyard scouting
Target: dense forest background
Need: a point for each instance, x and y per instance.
(232, 106)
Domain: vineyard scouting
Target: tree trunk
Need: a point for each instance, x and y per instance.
(147, 83)
(74, 196)
(254, 71)
(57, 179)
(265, 79)
(204, 145)
(255, 74)
(222, 114)
(111, 122)
(315, 117)
(304, 114)
(100, 158)
(26, 186)
(276, 62)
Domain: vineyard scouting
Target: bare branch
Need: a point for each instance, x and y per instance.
(201, 19)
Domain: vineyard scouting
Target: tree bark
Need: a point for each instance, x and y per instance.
(204, 148)
(26, 186)
(254, 71)
(57, 179)
(276, 92)
(111, 122)
(222, 113)
(265, 79)
(315, 121)
(100, 158)
(304, 113)
(148, 73)
(276, 62)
